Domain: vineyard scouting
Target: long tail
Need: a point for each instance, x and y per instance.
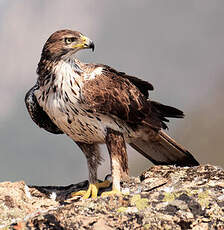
(161, 149)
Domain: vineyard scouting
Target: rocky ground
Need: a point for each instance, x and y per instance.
(164, 197)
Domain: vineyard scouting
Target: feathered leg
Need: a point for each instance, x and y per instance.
(118, 158)
(93, 157)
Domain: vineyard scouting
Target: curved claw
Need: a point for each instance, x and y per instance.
(92, 191)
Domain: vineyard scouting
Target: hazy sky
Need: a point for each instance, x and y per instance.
(176, 45)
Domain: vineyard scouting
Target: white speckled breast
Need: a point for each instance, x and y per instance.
(61, 100)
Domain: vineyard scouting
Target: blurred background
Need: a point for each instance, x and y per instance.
(176, 45)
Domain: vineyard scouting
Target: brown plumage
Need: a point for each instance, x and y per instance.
(94, 103)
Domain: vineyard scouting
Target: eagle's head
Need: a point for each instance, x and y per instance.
(64, 44)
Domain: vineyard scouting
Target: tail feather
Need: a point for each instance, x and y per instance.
(161, 113)
(167, 111)
(163, 150)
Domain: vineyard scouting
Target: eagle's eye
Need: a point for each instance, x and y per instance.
(70, 40)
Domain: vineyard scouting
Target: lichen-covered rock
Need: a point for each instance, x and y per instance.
(164, 197)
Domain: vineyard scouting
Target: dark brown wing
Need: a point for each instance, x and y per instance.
(115, 94)
(126, 97)
(142, 85)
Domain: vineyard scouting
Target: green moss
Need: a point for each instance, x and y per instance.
(121, 209)
(147, 226)
(140, 203)
(135, 198)
(169, 196)
(203, 199)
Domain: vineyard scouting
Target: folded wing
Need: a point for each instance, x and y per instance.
(126, 97)
(37, 114)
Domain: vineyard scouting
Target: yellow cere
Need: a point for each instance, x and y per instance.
(81, 45)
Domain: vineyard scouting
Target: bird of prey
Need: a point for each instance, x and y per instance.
(95, 104)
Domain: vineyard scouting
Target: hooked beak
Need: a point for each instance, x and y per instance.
(86, 43)
(92, 46)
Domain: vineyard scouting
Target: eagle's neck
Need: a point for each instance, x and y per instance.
(59, 83)
(72, 63)
(47, 68)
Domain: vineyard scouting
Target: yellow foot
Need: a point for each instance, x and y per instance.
(111, 193)
(92, 191)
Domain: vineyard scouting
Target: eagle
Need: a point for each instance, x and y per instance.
(95, 104)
